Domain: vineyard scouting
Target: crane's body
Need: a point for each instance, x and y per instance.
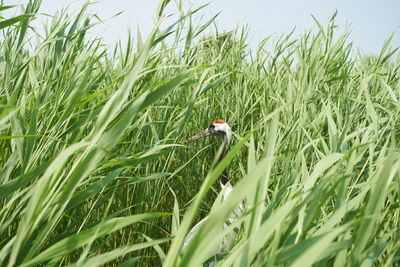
(222, 129)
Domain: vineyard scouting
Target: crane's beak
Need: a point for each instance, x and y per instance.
(202, 134)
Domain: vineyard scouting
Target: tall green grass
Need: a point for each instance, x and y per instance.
(92, 170)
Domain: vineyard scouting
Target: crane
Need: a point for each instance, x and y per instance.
(217, 128)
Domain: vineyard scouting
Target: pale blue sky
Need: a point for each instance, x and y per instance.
(370, 21)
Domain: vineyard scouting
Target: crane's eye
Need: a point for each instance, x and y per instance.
(211, 127)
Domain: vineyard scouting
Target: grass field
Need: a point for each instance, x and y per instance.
(93, 169)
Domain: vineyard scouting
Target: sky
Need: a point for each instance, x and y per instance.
(371, 22)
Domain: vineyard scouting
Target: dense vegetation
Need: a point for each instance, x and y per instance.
(93, 170)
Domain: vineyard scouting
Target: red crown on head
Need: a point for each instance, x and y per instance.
(218, 121)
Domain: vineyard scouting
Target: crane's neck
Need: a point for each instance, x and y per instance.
(223, 178)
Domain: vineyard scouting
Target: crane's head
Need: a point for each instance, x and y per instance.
(216, 128)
